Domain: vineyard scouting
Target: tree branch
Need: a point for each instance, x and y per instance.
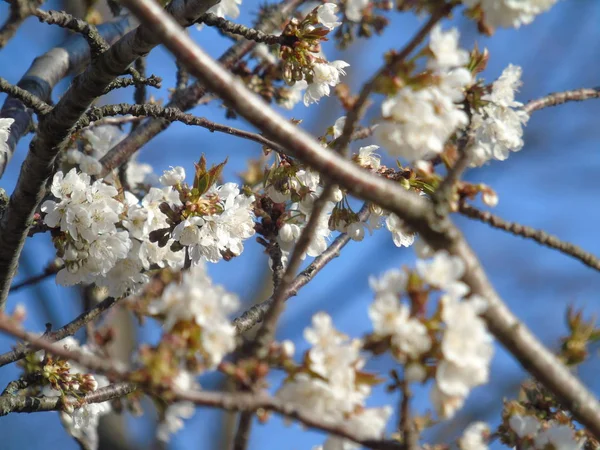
(251, 34)
(558, 98)
(68, 330)
(417, 213)
(26, 404)
(257, 312)
(540, 236)
(45, 72)
(56, 127)
(39, 106)
(171, 115)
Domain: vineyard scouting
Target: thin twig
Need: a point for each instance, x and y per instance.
(539, 236)
(172, 115)
(68, 330)
(31, 101)
(95, 40)
(251, 34)
(558, 98)
(51, 269)
(19, 11)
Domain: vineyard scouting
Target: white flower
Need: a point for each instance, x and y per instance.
(338, 127)
(324, 76)
(473, 437)
(367, 158)
(316, 397)
(445, 405)
(5, 125)
(558, 437)
(293, 94)
(368, 424)
(418, 123)
(226, 8)
(388, 314)
(326, 15)
(412, 338)
(497, 128)
(173, 176)
(444, 271)
(510, 13)
(400, 235)
(392, 282)
(415, 373)
(208, 305)
(354, 9)
(444, 46)
(173, 420)
(524, 426)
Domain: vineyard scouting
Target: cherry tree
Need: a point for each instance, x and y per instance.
(141, 239)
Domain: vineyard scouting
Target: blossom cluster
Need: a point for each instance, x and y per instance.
(497, 127)
(106, 237)
(419, 119)
(330, 385)
(456, 336)
(508, 13)
(305, 66)
(531, 434)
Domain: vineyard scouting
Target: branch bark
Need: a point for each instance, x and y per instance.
(440, 233)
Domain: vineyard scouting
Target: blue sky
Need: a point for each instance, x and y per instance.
(552, 183)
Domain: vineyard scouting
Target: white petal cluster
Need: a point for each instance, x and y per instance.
(334, 396)
(326, 16)
(510, 13)
(226, 8)
(324, 77)
(474, 437)
(298, 213)
(88, 214)
(198, 300)
(467, 349)
(210, 236)
(417, 123)
(172, 421)
(391, 317)
(556, 436)
(400, 235)
(354, 9)
(101, 139)
(444, 272)
(497, 127)
(5, 125)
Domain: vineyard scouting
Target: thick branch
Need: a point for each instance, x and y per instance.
(56, 127)
(540, 236)
(45, 72)
(414, 210)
